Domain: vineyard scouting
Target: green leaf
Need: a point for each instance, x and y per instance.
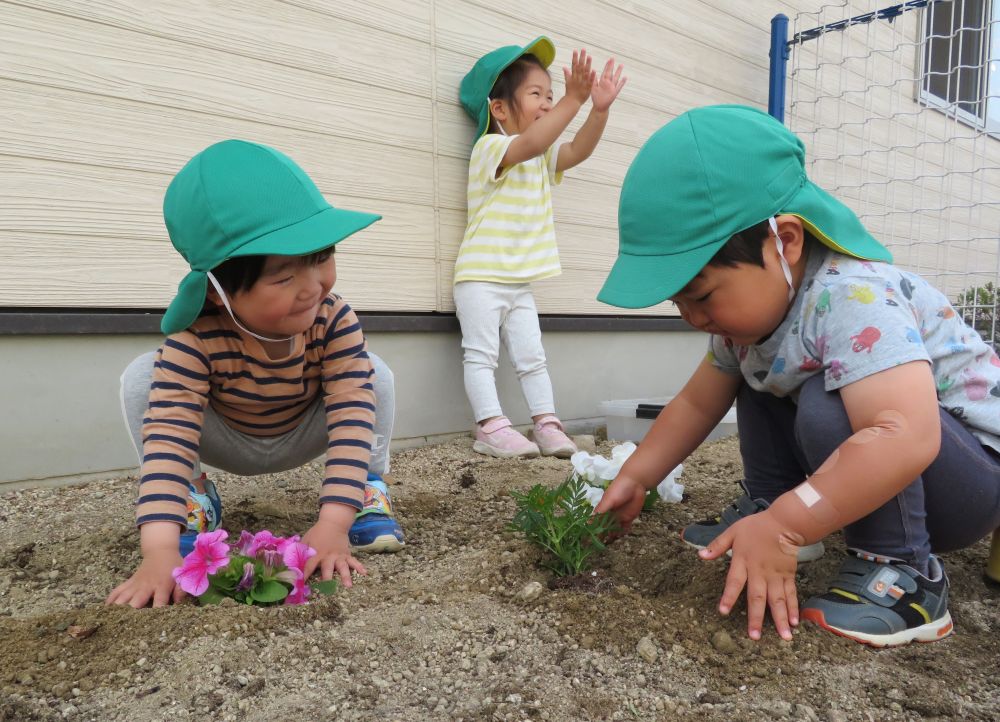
(650, 501)
(269, 592)
(211, 596)
(326, 587)
(561, 522)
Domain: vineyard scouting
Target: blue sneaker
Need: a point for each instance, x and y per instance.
(374, 529)
(204, 513)
(884, 602)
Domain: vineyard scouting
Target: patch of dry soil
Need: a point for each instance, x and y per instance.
(442, 631)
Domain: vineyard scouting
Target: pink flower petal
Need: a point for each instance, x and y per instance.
(296, 555)
(299, 593)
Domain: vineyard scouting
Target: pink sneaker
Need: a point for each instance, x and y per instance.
(551, 438)
(498, 438)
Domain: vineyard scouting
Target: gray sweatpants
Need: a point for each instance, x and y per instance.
(225, 448)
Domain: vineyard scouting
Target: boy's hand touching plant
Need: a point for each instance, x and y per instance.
(328, 536)
(624, 499)
(606, 88)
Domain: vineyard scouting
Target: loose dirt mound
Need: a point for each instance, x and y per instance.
(446, 629)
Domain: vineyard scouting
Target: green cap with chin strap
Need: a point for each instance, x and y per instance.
(474, 92)
(704, 176)
(237, 198)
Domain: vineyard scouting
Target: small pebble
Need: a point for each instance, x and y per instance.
(647, 650)
(530, 591)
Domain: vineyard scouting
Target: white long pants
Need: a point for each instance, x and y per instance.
(489, 312)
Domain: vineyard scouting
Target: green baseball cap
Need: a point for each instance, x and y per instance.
(709, 173)
(474, 92)
(243, 199)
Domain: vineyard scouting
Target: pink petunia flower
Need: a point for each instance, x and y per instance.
(210, 554)
(247, 580)
(299, 593)
(262, 541)
(295, 555)
(285, 542)
(245, 544)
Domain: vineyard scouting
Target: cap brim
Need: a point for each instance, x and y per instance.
(643, 281)
(319, 231)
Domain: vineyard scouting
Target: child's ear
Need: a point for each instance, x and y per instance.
(212, 296)
(498, 109)
(792, 236)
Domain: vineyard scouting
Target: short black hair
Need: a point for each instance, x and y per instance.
(241, 273)
(505, 88)
(747, 246)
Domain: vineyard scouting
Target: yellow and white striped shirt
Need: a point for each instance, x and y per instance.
(510, 237)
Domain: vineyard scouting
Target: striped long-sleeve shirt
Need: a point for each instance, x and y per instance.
(214, 363)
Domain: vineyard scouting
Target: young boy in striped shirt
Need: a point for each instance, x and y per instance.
(263, 369)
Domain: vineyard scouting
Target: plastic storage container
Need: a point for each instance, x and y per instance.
(630, 419)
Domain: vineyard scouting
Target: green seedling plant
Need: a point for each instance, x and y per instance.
(561, 521)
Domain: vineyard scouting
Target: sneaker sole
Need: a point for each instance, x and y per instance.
(481, 447)
(561, 452)
(806, 554)
(932, 632)
(384, 543)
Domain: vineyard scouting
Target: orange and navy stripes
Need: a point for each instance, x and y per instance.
(214, 363)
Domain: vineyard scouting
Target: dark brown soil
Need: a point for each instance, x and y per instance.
(446, 629)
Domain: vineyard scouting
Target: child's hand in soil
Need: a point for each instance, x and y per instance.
(151, 581)
(764, 560)
(328, 537)
(624, 498)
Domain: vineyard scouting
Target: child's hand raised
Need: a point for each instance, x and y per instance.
(764, 560)
(606, 88)
(581, 78)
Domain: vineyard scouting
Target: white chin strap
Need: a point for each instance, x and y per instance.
(781, 257)
(225, 302)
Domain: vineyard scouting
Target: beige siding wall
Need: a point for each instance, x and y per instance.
(101, 101)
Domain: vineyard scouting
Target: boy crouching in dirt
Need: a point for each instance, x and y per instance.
(864, 402)
(263, 369)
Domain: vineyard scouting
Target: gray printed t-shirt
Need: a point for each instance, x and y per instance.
(851, 319)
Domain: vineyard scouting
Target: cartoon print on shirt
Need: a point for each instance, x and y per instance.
(837, 369)
(861, 293)
(906, 287)
(976, 386)
(823, 304)
(809, 364)
(890, 295)
(866, 339)
(912, 335)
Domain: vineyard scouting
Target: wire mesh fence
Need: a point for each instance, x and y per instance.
(899, 108)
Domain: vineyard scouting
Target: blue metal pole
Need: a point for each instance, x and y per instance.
(779, 62)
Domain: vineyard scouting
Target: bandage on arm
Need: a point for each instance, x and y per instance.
(898, 434)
